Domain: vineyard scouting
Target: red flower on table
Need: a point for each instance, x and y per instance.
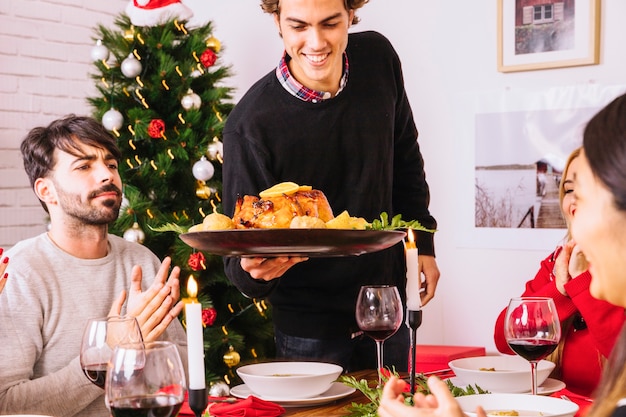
(208, 58)
(197, 261)
(208, 316)
(156, 128)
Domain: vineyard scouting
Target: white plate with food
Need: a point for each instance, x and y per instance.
(549, 386)
(336, 391)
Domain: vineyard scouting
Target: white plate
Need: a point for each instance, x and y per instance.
(336, 391)
(548, 387)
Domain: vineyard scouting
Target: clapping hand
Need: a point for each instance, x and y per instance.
(156, 307)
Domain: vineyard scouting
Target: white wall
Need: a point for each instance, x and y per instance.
(448, 50)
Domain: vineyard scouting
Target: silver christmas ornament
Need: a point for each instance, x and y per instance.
(135, 234)
(214, 149)
(203, 170)
(131, 67)
(99, 52)
(191, 100)
(112, 120)
(219, 389)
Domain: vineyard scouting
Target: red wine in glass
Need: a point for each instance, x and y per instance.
(145, 380)
(379, 315)
(96, 373)
(100, 336)
(532, 349)
(380, 333)
(146, 406)
(532, 330)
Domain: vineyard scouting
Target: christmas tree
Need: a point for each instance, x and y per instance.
(162, 94)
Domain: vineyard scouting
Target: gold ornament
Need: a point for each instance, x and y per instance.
(214, 44)
(129, 34)
(231, 358)
(203, 191)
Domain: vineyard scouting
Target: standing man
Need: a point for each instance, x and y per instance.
(74, 272)
(334, 115)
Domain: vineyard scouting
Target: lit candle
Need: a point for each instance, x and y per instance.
(413, 281)
(195, 337)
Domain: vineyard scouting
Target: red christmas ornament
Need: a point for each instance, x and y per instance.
(208, 58)
(208, 316)
(196, 261)
(156, 128)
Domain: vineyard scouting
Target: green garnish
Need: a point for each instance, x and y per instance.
(373, 393)
(396, 223)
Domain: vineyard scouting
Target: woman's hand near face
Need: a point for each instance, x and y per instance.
(577, 261)
(570, 263)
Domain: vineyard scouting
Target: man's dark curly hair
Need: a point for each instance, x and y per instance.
(273, 6)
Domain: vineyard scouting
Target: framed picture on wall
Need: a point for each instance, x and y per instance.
(540, 34)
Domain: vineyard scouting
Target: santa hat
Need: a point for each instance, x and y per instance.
(155, 12)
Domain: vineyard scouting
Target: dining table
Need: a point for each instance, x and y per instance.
(339, 407)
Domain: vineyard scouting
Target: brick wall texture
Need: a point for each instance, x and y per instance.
(45, 64)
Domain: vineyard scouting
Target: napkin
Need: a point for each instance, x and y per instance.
(249, 407)
(231, 407)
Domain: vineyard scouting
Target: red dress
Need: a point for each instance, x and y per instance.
(587, 345)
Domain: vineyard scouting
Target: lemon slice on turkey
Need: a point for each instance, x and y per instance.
(277, 190)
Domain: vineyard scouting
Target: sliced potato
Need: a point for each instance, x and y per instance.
(216, 221)
(307, 222)
(345, 221)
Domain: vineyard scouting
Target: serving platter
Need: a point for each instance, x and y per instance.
(292, 242)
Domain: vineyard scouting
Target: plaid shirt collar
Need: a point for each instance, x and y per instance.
(298, 90)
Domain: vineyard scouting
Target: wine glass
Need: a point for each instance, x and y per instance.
(379, 315)
(145, 380)
(100, 336)
(532, 330)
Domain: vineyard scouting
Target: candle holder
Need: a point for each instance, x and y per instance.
(198, 401)
(413, 322)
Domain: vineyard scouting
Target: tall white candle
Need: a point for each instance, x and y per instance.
(413, 281)
(195, 337)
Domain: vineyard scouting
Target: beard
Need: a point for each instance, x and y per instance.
(86, 213)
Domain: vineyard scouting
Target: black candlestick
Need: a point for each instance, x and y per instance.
(198, 401)
(413, 321)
